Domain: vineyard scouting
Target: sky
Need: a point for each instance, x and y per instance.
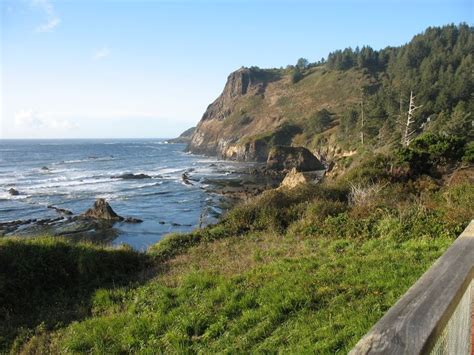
(149, 68)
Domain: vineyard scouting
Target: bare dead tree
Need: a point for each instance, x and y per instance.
(362, 121)
(409, 129)
(401, 105)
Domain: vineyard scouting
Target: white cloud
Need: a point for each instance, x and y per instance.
(29, 118)
(52, 19)
(102, 53)
(49, 26)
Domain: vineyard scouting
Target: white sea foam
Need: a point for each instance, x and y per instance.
(170, 170)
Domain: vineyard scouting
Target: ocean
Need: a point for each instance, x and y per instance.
(72, 174)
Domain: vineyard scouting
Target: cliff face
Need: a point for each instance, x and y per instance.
(262, 108)
(239, 83)
(215, 134)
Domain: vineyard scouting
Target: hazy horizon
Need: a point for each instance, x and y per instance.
(149, 69)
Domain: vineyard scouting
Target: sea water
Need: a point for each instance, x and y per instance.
(72, 174)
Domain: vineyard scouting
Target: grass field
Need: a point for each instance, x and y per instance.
(302, 271)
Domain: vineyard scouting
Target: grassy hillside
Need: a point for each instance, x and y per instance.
(307, 270)
(47, 282)
(283, 104)
(331, 104)
(304, 270)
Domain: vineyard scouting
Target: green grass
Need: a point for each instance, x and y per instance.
(301, 271)
(48, 282)
(322, 302)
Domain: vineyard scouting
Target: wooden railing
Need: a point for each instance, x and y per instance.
(435, 314)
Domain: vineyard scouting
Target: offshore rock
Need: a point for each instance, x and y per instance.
(102, 210)
(130, 176)
(60, 210)
(13, 192)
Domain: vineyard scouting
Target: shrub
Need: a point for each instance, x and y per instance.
(284, 134)
(320, 121)
(429, 151)
(373, 169)
(296, 75)
(318, 210)
(362, 195)
(469, 153)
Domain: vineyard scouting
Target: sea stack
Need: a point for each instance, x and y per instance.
(102, 210)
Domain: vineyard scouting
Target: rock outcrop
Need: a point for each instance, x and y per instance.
(185, 178)
(256, 150)
(295, 178)
(102, 210)
(13, 192)
(95, 224)
(282, 158)
(60, 210)
(239, 83)
(130, 176)
(184, 137)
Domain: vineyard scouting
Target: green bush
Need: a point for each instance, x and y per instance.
(296, 75)
(469, 153)
(284, 134)
(372, 169)
(429, 151)
(319, 121)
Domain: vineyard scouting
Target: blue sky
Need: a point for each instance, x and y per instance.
(103, 68)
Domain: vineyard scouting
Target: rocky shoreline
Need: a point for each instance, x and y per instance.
(94, 224)
(98, 224)
(286, 167)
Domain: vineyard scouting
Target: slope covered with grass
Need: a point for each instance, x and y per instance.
(48, 282)
(304, 270)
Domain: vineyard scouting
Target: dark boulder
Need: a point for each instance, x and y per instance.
(102, 210)
(132, 220)
(185, 178)
(130, 176)
(13, 192)
(284, 158)
(45, 168)
(60, 210)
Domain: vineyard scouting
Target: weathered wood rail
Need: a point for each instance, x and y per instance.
(434, 315)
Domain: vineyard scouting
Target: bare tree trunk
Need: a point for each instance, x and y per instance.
(409, 130)
(362, 123)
